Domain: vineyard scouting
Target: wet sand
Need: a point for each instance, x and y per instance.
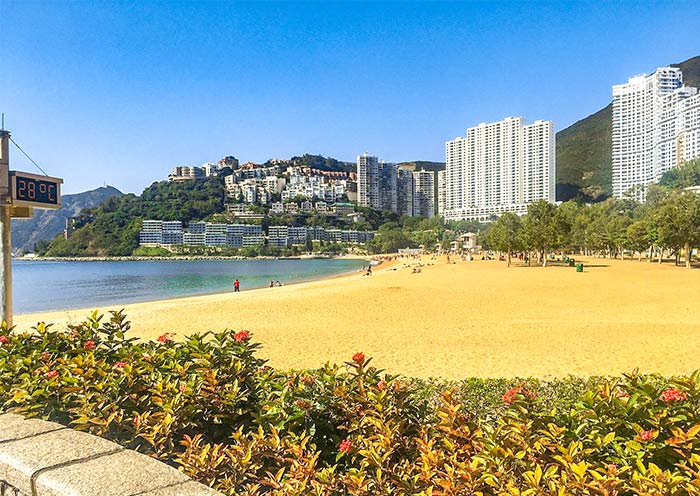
(476, 318)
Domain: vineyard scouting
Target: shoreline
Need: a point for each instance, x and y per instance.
(325, 277)
(350, 256)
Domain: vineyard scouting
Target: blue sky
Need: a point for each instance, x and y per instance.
(120, 92)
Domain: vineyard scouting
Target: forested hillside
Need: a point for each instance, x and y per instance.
(112, 228)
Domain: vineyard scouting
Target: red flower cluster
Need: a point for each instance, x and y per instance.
(89, 345)
(165, 338)
(4, 340)
(358, 358)
(45, 356)
(381, 385)
(308, 380)
(622, 394)
(51, 374)
(241, 336)
(511, 395)
(646, 435)
(119, 365)
(673, 394)
(345, 446)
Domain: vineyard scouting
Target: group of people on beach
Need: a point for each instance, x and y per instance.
(237, 285)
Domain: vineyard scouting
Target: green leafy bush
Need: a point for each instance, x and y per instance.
(208, 405)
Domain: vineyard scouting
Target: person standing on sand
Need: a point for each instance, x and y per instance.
(236, 286)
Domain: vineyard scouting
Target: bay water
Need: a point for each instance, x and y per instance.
(43, 285)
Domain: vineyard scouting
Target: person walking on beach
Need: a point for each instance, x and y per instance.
(236, 286)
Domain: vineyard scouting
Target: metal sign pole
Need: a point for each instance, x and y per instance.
(5, 229)
(6, 268)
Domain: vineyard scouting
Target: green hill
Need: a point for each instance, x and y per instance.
(584, 149)
(111, 229)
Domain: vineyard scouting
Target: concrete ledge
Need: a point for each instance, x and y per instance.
(39, 458)
(17, 427)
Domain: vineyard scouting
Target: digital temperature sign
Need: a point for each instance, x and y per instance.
(32, 190)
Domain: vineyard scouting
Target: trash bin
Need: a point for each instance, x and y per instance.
(571, 262)
(579, 267)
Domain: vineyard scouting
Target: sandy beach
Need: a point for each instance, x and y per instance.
(475, 318)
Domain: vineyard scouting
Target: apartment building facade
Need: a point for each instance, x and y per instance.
(499, 167)
(656, 127)
(212, 234)
(424, 193)
(368, 181)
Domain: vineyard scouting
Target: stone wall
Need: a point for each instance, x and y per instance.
(39, 458)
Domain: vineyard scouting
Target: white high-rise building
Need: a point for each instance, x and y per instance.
(499, 167)
(441, 192)
(424, 194)
(656, 126)
(376, 183)
(404, 191)
(368, 181)
(387, 186)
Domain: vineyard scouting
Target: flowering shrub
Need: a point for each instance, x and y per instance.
(514, 393)
(208, 405)
(672, 394)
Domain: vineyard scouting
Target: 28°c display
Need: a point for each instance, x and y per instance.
(34, 190)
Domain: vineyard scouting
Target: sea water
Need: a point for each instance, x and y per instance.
(43, 285)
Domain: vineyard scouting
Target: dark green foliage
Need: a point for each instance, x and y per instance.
(668, 223)
(682, 176)
(584, 158)
(41, 247)
(376, 218)
(152, 251)
(389, 239)
(322, 163)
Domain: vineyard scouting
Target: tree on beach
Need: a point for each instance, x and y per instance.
(544, 229)
(639, 237)
(679, 223)
(389, 239)
(505, 234)
(607, 228)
